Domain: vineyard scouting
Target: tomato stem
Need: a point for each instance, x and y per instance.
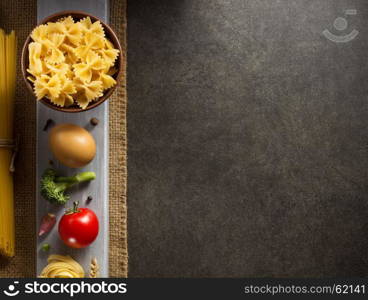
(75, 206)
(73, 210)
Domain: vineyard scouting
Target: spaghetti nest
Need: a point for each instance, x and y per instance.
(60, 266)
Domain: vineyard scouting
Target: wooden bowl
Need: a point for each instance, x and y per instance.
(109, 33)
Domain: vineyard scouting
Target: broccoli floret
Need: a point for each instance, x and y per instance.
(53, 187)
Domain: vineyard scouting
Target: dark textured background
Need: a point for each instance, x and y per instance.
(247, 138)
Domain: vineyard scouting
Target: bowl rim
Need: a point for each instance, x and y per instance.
(115, 41)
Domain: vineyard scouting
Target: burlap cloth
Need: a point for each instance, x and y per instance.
(20, 15)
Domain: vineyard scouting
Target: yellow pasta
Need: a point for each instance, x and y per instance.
(85, 70)
(35, 63)
(7, 91)
(39, 34)
(71, 62)
(70, 57)
(47, 86)
(60, 266)
(108, 55)
(94, 28)
(87, 91)
(54, 55)
(107, 81)
(68, 21)
(62, 69)
(67, 89)
(90, 42)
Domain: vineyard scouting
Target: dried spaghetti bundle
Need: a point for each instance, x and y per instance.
(7, 90)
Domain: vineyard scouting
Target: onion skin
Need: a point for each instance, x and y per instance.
(47, 223)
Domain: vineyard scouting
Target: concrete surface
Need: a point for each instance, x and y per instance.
(247, 139)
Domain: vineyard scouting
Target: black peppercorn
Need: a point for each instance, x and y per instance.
(94, 121)
(49, 122)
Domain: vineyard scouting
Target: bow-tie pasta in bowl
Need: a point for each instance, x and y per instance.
(72, 61)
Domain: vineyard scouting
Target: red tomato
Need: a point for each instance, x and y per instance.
(78, 228)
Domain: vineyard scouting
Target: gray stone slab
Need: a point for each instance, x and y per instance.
(98, 189)
(247, 139)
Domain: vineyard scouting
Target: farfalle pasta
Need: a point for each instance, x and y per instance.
(71, 63)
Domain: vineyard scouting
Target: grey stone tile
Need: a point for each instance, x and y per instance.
(247, 139)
